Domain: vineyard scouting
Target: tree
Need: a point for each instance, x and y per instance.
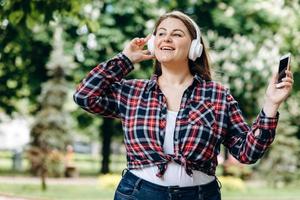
(50, 132)
(107, 27)
(25, 48)
(283, 156)
(246, 39)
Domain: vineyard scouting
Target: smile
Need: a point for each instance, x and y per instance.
(166, 48)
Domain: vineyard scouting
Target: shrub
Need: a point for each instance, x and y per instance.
(231, 183)
(109, 181)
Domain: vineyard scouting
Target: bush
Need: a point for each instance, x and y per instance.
(109, 181)
(53, 161)
(231, 183)
(55, 164)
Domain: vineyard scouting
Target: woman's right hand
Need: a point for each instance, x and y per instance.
(135, 51)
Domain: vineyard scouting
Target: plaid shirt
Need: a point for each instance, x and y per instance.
(208, 117)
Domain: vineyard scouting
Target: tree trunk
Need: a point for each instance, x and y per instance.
(226, 162)
(107, 131)
(44, 172)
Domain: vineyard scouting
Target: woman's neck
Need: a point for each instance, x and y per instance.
(175, 75)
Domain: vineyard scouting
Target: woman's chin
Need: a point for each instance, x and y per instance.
(165, 59)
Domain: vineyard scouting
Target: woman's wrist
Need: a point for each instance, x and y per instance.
(127, 55)
(270, 109)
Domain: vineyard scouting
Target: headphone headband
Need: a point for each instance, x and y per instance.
(198, 32)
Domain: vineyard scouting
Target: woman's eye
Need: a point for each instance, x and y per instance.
(161, 34)
(177, 35)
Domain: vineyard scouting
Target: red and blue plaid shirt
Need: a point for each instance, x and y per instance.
(208, 117)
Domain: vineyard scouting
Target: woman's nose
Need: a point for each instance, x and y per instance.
(167, 38)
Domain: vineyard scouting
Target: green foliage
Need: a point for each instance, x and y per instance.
(244, 67)
(52, 123)
(25, 48)
(227, 18)
(283, 157)
(100, 34)
(281, 164)
(245, 37)
(50, 131)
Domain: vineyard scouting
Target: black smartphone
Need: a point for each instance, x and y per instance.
(284, 64)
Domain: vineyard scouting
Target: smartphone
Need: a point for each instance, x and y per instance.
(284, 64)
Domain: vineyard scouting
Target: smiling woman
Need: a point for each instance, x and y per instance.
(188, 29)
(175, 122)
(172, 43)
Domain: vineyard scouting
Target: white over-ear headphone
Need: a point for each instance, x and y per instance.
(196, 46)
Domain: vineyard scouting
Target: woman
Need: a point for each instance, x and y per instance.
(175, 122)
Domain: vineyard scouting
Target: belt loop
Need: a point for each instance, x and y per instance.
(200, 193)
(219, 182)
(138, 184)
(124, 171)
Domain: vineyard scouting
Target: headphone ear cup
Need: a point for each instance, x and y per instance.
(195, 50)
(150, 44)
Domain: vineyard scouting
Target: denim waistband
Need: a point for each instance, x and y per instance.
(143, 183)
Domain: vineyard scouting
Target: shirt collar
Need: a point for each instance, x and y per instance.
(198, 78)
(154, 78)
(152, 83)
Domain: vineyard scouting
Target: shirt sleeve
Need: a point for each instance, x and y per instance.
(248, 143)
(101, 90)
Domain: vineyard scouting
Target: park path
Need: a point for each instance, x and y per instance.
(62, 181)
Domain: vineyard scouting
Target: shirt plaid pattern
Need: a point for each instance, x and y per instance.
(208, 117)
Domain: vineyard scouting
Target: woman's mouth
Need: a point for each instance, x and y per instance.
(167, 48)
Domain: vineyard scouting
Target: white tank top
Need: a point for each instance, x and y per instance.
(175, 173)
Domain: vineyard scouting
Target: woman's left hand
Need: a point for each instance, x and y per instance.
(277, 92)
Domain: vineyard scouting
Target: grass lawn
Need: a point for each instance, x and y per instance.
(87, 165)
(263, 194)
(58, 192)
(87, 192)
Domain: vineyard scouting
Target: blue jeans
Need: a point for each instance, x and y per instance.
(132, 187)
